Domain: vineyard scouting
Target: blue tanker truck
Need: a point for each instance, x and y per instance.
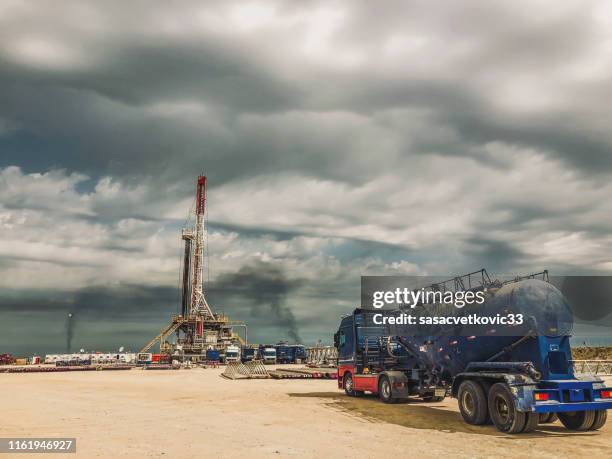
(290, 353)
(513, 380)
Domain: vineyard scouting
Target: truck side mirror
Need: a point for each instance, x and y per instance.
(336, 340)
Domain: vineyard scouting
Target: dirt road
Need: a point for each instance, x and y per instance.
(196, 413)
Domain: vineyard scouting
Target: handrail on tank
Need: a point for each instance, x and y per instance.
(544, 275)
(484, 280)
(459, 282)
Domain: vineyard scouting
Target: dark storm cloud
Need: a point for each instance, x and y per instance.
(494, 255)
(579, 146)
(99, 316)
(96, 302)
(97, 100)
(403, 127)
(257, 294)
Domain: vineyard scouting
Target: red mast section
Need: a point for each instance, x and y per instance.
(199, 306)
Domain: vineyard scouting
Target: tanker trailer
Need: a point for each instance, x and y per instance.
(514, 375)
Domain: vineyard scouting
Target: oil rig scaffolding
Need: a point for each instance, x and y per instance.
(197, 328)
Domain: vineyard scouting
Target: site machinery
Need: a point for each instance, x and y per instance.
(512, 381)
(197, 329)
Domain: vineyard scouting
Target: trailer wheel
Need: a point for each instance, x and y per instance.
(578, 420)
(384, 390)
(548, 418)
(601, 416)
(503, 413)
(348, 386)
(472, 403)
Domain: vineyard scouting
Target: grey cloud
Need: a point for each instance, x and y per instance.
(494, 255)
(230, 75)
(390, 110)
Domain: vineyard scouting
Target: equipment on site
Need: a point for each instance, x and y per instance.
(249, 353)
(322, 355)
(290, 353)
(6, 359)
(267, 354)
(283, 353)
(298, 353)
(232, 354)
(515, 381)
(197, 329)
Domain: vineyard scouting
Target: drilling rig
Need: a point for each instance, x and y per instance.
(197, 328)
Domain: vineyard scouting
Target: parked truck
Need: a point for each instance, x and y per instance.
(515, 382)
(298, 353)
(249, 353)
(290, 353)
(232, 353)
(283, 353)
(267, 354)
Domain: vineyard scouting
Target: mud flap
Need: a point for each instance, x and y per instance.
(399, 383)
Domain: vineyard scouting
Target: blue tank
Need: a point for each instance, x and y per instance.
(213, 355)
(541, 338)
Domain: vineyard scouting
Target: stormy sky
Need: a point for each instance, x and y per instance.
(340, 138)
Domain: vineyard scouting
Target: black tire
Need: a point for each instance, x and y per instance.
(548, 418)
(531, 422)
(601, 416)
(486, 386)
(348, 386)
(384, 390)
(472, 403)
(503, 413)
(578, 420)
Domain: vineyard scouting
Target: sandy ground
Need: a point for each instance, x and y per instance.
(196, 413)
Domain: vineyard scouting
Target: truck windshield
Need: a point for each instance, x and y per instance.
(270, 353)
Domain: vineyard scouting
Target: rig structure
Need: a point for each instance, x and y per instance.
(197, 328)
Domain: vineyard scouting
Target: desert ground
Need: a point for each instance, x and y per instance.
(197, 414)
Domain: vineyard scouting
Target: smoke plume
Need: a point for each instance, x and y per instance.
(69, 331)
(263, 285)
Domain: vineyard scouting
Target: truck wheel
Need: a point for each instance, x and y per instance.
(384, 390)
(548, 418)
(578, 420)
(472, 403)
(348, 386)
(503, 413)
(531, 422)
(601, 416)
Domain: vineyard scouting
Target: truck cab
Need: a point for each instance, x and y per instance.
(232, 353)
(269, 355)
(368, 362)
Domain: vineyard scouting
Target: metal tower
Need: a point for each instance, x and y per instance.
(198, 305)
(197, 328)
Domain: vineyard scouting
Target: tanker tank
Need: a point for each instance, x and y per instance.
(446, 350)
